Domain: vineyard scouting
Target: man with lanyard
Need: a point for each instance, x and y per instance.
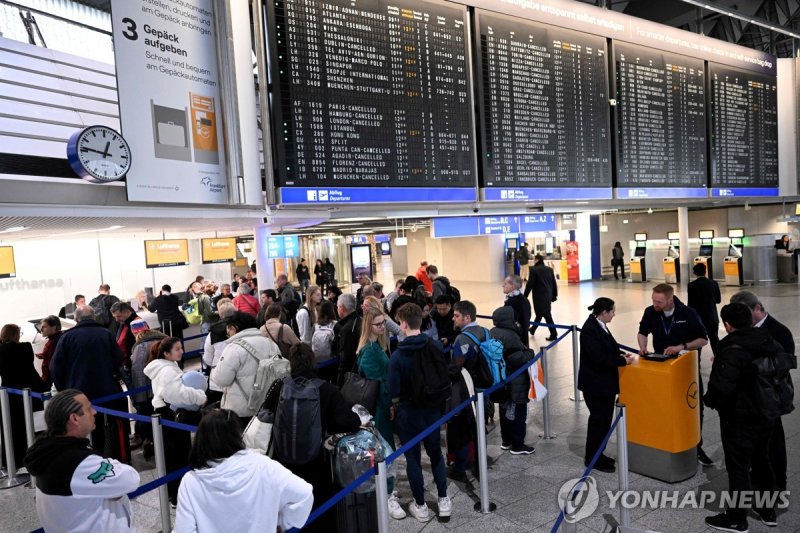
(675, 327)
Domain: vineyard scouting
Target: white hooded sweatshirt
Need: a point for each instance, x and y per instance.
(168, 387)
(247, 492)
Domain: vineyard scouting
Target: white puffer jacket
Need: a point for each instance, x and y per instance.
(236, 370)
(168, 387)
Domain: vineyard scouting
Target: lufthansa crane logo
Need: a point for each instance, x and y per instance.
(692, 395)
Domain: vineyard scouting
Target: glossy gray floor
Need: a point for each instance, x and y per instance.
(524, 488)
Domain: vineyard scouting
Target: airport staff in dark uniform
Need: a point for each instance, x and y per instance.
(598, 378)
(675, 327)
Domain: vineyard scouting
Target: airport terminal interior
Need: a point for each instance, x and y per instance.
(146, 143)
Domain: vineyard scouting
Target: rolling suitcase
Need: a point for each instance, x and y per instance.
(357, 513)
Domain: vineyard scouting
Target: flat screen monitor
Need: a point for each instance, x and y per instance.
(549, 245)
(674, 235)
(166, 253)
(511, 244)
(736, 233)
(218, 250)
(706, 250)
(639, 237)
(8, 268)
(360, 260)
(706, 234)
(640, 251)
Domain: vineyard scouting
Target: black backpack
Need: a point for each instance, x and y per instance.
(101, 306)
(449, 290)
(430, 381)
(297, 432)
(774, 390)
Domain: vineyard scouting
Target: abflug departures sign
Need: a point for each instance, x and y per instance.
(372, 101)
(544, 111)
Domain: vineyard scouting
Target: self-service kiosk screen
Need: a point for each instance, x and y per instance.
(706, 249)
(640, 251)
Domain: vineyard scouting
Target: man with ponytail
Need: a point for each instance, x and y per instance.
(76, 488)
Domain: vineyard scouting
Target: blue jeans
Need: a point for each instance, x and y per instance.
(409, 422)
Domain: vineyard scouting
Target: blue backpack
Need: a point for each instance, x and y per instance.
(492, 351)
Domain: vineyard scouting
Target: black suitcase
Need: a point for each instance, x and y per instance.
(357, 513)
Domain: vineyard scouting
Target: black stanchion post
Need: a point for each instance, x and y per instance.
(576, 364)
(161, 471)
(27, 406)
(13, 479)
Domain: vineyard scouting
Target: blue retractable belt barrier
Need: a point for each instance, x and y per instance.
(532, 323)
(597, 455)
(147, 487)
(193, 337)
(123, 394)
(120, 414)
(20, 392)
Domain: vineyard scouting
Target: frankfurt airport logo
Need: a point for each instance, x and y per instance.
(578, 499)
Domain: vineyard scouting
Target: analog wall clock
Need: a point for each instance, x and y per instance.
(99, 154)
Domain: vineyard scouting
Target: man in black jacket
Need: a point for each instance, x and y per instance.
(784, 337)
(744, 429)
(167, 306)
(346, 333)
(704, 296)
(442, 317)
(520, 304)
(542, 282)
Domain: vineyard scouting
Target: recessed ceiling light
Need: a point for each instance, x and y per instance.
(15, 229)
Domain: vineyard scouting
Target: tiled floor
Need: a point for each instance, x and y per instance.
(524, 488)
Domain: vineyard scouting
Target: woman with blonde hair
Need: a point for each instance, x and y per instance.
(307, 315)
(373, 363)
(392, 327)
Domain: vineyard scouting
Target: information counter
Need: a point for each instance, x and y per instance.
(662, 404)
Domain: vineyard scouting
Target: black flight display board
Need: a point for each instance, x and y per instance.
(661, 123)
(371, 101)
(544, 114)
(744, 132)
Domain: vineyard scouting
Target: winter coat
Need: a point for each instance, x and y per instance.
(87, 358)
(236, 370)
(542, 282)
(141, 351)
(275, 499)
(79, 490)
(373, 363)
(515, 353)
(731, 387)
(522, 315)
(168, 387)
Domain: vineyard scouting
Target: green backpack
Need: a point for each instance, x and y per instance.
(191, 311)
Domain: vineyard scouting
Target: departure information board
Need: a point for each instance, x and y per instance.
(661, 123)
(370, 96)
(744, 133)
(544, 110)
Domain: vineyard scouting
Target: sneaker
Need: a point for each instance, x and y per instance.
(704, 459)
(722, 522)
(522, 450)
(445, 507)
(768, 517)
(395, 511)
(420, 512)
(505, 446)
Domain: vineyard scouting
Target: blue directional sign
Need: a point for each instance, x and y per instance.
(636, 193)
(275, 249)
(362, 195)
(492, 225)
(283, 246)
(494, 194)
(291, 246)
(743, 191)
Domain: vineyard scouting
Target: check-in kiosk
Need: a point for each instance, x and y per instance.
(672, 269)
(637, 264)
(706, 251)
(512, 267)
(732, 266)
(661, 397)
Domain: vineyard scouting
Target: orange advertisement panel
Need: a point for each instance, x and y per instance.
(730, 268)
(171, 252)
(7, 267)
(218, 250)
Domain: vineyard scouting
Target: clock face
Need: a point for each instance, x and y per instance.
(99, 154)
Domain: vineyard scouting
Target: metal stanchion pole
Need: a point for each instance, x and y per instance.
(13, 479)
(569, 527)
(381, 496)
(161, 471)
(484, 505)
(27, 406)
(622, 464)
(576, 364)
(548, 433)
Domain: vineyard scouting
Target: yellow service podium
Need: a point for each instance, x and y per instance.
(662, 406)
